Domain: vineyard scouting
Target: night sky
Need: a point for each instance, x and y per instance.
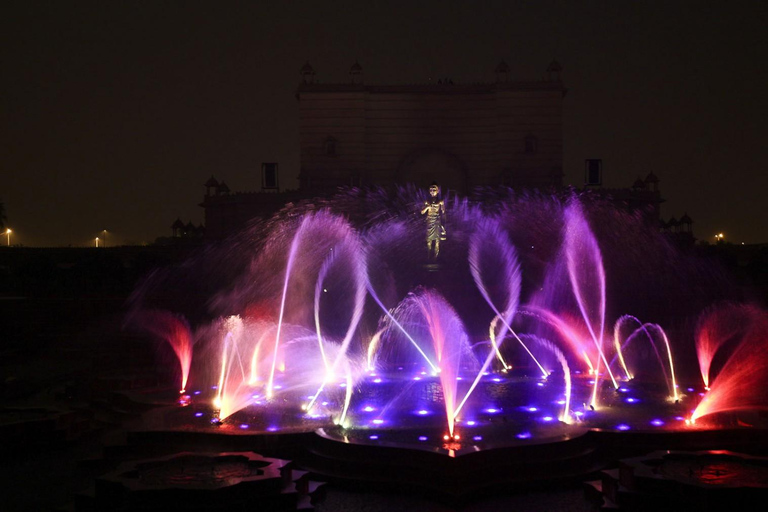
(115, 113)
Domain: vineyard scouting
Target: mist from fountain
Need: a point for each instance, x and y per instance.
(320, 306)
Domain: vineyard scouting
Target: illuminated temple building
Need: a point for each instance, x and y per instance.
(465, 135)
(502, 133)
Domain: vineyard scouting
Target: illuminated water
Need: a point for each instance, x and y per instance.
(330, 314)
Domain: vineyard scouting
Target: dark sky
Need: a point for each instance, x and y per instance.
(115, 113)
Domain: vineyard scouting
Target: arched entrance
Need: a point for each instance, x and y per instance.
(423, 166)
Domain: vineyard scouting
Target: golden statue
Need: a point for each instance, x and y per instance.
(434, 208)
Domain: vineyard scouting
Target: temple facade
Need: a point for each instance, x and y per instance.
(462, 135)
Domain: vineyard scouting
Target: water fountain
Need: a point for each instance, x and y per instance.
(327, 319)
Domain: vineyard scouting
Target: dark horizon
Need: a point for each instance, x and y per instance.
(115, 115)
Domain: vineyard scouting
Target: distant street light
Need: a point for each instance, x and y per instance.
(104, 240)
(719, 237)
(97, 241)
(8, 232)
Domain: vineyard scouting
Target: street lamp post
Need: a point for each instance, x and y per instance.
(8, 232)
(97, 242)
(104, 238)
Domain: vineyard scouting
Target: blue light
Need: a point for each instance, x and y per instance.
(214, 387)
(369, 408)
(197, 392)
(244, 426)
(496, 379)
(277, 386)
(417, 378)
(524, 435)
(377, 380)
(624, 390)
(622, 427)
(477, 438)
(657, 423)
(324, 403)
(577, 372)
(374, 437)
(471, 423)
(378, 422)
(198, 414)
(272, 429)
(343, 385)
(422, 438)
(547, 418)
(532, 409)
(691, 390)
(540, 384)
(631, 400)
(422, 412)
(492, 410)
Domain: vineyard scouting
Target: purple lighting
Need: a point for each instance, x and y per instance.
(244, 426)
(198, 414)
(657, 423)
(524, 435)
(622, 427)
(422, 438)
(374, 437)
